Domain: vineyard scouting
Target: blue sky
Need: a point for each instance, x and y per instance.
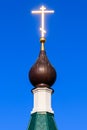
(66, 47)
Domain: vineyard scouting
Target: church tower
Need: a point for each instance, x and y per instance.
(42, 76)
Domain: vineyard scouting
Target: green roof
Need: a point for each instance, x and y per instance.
(42, 121)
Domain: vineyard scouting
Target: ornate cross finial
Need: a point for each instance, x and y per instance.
(42, 11)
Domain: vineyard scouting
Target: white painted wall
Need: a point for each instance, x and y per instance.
(42, 100)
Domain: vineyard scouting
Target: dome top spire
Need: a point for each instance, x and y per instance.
(42, 73)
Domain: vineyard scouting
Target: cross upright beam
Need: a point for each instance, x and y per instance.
(42, 11)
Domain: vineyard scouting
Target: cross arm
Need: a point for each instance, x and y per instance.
(52, 11)
(36, 12)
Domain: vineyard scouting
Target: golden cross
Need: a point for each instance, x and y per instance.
(42, 11)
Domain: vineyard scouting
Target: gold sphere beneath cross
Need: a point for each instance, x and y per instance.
(42, 40)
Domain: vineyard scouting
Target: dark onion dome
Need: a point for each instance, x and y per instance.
(42, 74)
